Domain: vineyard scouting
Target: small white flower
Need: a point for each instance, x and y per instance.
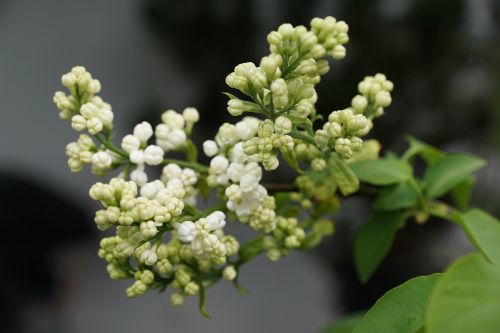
(143, 131)
(210, 148)
(216, 220)
(249, 182)
(191, 115)
(235, 171)
(186, 231)
(130, 143)
(153, 155)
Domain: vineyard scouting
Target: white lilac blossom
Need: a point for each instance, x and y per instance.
(162, 238)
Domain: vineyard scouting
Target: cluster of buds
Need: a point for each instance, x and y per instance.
(342, 132)
(287, 235)
(270, 137)
(161, 237)
(374, 95)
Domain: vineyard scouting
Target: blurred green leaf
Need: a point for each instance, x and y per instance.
(484, 231)
(395, 197)
(382, 171)
(448, 172)
(400, 310)
(461, 193)
(466, 298)
(428, 153)
(345, 325)
(292, 161)
(373, 241)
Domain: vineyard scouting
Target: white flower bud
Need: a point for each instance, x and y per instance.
(282, 125)
(235, 107)
(359, 103)
(94, 125)
(186, 231)
(148, 229)
(130, 143)
(172, 119)
(153, 155)
(139, 177)
(210, 148)
(143, 131)
(229, 273)
(383, 98)
(338, 52)
(102, 160)
(191, 115)
(137, 157)
(219, 164)
(149, 257)
(78, 122)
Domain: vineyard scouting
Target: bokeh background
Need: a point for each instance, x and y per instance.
(150, 55)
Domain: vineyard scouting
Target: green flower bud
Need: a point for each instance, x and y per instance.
(192, 288)
(176, 299)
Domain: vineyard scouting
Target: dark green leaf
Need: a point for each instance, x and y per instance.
(281, 199)
(400, 310)
(484, 231)
(382, 171)
(448, 172)
(466, 299)
(292, 211)
(373, 241)
(345, 325)
(428, 153)
(343, 175)
(462, 193)
(395, 197)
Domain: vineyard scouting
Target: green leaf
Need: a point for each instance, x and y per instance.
(292, 161)
(343, 175)
(466, 299)
(448, 172)
(231, 96)
(395, 197)
(428, 153)
(373, 241)
(292, 211)
(484, 231)
(400, 310)
(345, 325)
(382, 171)
(462, 193)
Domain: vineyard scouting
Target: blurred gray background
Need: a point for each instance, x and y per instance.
(443, 56)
